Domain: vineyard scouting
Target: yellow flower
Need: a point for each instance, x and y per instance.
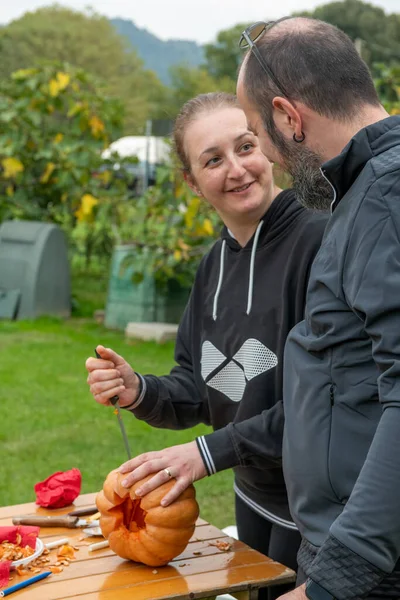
(58, 138)
(177, 255)
(85, 211)
(58, 83)
(207, 227)
(96, 125)
(12, 166)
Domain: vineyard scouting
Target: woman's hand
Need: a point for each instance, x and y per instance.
(111, 375)
(183, 463)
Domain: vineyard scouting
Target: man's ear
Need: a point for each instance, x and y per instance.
(191, 183)
(287, 117)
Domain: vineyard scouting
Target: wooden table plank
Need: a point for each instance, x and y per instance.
(132, 583)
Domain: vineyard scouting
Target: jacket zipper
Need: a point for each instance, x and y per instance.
(332, 395)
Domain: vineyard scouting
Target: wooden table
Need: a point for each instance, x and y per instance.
(201, 571)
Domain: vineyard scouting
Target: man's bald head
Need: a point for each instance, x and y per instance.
(315, 63)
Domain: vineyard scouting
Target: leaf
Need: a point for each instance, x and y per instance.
(75, 109)
(191, 211)
(47, 172)
(12, 166)
(23, 74)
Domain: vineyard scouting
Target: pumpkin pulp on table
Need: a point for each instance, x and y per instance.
(140, 528)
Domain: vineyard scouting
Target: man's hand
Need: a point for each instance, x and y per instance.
(183, 462)
(298, 594)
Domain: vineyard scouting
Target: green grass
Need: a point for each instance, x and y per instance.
(89, 292)
(50, 422)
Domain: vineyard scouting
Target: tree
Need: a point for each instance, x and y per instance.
(188, 83)
(85, 40)
(54, 123)
(388, 86)
(224, 57)
(379, 33)
(170, 229)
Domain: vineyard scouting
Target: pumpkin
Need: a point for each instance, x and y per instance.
(141, 529)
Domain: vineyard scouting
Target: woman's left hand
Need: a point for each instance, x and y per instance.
(183, 463)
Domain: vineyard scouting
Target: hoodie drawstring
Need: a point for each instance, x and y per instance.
(251, 274)
(220, 278)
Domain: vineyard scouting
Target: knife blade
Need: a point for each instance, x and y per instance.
(47, 521)
(114, 402)
(83, 512)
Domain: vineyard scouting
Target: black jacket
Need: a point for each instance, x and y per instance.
(229, 352)
(342, 378)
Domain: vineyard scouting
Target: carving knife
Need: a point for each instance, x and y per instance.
(114, 402)
(60, 521)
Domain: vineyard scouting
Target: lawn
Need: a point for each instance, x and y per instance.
(51, 423)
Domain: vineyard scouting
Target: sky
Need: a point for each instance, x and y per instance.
(198, 20)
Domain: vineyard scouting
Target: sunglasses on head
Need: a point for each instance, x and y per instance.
(249, 38)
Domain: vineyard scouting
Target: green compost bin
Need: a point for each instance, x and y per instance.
(34, 270)
(144, 302)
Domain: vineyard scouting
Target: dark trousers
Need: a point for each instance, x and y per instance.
(274, 541)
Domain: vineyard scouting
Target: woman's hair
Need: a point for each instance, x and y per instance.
(190, 111)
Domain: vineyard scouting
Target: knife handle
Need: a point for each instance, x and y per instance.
(114, 399)
(43, 521)
(83, 512)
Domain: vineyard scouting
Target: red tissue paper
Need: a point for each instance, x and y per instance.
(9, 534)
(59, 490)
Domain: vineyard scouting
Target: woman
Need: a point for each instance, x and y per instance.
(248, 293)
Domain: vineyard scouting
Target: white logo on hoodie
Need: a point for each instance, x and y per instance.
(251, 360)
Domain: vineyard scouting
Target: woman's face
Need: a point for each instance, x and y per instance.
(227, 165)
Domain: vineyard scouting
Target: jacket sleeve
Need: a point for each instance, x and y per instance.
(255, 442)
(364, 541)
(174, 401)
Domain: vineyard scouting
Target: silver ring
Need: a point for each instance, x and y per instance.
(168, 472)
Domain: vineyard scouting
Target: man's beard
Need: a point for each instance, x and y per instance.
(303, 165)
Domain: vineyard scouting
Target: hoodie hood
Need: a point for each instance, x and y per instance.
(283, 210)
(280, 214)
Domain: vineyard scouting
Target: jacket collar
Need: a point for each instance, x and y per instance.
(342, 170)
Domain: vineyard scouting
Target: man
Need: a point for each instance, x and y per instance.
(310, 99)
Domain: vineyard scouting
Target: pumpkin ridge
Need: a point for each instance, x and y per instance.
(139, 528)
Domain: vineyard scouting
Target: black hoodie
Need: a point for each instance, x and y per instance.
(229, 352)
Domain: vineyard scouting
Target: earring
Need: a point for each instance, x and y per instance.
(300, 139)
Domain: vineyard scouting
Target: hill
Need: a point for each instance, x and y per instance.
(159, 55)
